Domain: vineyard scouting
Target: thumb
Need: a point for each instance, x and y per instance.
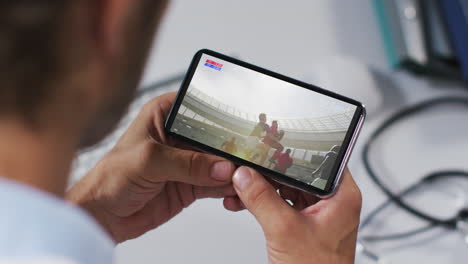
(261, 199)
(157, 163)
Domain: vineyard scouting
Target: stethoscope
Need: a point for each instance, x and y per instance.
(458, 222)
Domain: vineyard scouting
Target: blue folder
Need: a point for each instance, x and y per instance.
(455, 14)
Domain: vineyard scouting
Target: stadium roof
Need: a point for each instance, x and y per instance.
(337, 122)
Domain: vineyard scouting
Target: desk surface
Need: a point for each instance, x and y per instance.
(288, 38)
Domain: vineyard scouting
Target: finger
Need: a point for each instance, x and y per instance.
(304, 201)
(261, 199)
(348, 196)
(160, 111)
(274, 183)
(165, 163)
(166, 101)
(342, 207)
(295, 196)
(213, 192)
(150, 121)
(233, 203)
(185, 146)
(289, 194)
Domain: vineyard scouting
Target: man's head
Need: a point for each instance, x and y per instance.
(335, 148)
(233, 139)
(73, 63)
(288, 151)
(262, 117)
(274, 124)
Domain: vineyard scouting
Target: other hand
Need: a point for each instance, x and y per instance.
(308, 231)
(147, 178)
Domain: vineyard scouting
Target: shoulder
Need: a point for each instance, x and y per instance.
(41, 260)
(44, 225)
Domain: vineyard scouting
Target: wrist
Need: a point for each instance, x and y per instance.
(82, 194)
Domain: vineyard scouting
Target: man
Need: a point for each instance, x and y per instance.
(256, 135)
(68, 70)
(230, 146)
(271, 140)
(324, 170)
(282, 161)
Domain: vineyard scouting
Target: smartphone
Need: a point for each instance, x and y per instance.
(296, 133)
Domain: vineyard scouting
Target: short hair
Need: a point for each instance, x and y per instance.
(29, 52)
(261, 114)
(38, 51)
(288, 151)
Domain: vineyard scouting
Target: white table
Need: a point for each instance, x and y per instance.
(288, 36)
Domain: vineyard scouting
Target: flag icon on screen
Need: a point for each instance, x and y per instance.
(213, 65)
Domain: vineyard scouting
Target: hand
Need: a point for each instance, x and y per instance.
(309, 231)
(146, 180)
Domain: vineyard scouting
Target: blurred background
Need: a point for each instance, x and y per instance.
(386, 53)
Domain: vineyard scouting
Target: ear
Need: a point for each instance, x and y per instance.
(108, 23)
(97, 40)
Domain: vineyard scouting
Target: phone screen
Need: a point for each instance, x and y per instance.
(282, 127)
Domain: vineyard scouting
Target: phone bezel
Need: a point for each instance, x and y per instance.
(346, 147)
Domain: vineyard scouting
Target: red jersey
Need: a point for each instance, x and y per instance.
(273, 132)
(283, 163)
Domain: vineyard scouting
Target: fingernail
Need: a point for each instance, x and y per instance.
(242, 178)
(221, 171)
